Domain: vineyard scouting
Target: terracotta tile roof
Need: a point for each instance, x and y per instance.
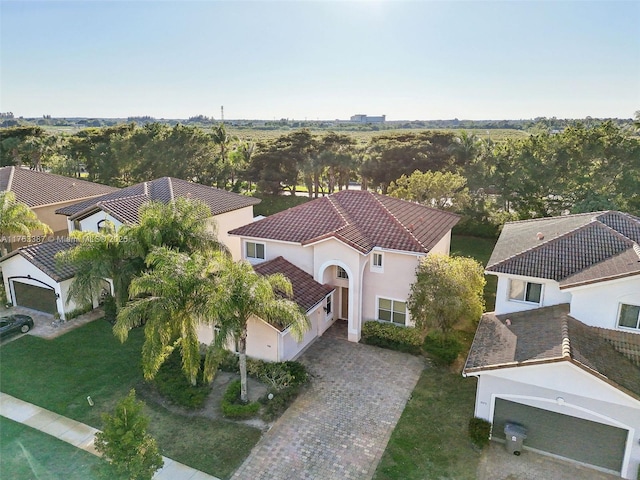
(361, 219)
(124, 204)
(42, 256)
(550, 334)
(574, 250)
(306, 291)
(40, 188)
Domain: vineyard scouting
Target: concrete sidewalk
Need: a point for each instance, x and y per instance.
(81, 436)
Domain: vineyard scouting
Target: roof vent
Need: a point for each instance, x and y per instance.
(540, 236)
(73, 184)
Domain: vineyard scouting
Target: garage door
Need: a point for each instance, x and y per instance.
(569, 437)
(38, 298)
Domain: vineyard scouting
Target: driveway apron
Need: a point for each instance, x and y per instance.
(339, 427)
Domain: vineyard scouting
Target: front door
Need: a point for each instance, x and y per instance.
(344, 303)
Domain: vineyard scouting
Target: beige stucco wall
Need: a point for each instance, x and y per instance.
(228, 221)
(393, 282)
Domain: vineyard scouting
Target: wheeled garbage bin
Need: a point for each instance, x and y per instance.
(515, 435)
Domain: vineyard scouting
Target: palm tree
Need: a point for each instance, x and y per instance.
(171, 299)
(18, 219)
(180, 224)
(240, 294)
(96, 257)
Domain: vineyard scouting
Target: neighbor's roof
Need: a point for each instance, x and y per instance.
(124, 204)
(361, 219)
(550, 334)
(573, 249)
(40, 188)
(306, 291)
(42, 256)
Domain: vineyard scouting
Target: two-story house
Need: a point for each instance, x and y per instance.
(364, 245)
(561, 353)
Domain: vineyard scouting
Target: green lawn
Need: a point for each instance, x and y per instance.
(480, 249)
(59, 374)
(29, 453)
(430, 440)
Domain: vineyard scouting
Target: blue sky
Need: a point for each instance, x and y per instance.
(320, 60)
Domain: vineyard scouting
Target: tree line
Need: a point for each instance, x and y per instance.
(585, 167)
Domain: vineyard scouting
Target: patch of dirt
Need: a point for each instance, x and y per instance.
(211, 408)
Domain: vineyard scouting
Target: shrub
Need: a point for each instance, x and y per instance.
(479, 431)
(443, 350)
(229, 362)
(125, 442)
(233, 407)
(110, 309)
(76, 312)
(172, 384)
(394, 337)
(280, 401)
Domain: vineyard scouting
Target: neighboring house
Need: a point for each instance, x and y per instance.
(228, 210)
(31, 277)
(364, 245)
(275, 342)
(561, 353)
(46, 192)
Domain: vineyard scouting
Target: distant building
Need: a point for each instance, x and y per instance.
(360, 118)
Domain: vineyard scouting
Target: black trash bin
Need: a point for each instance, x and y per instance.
(515, 435)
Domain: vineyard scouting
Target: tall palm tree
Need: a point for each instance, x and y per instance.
(240, 294)
(174, 296)
(18, 219)
(180, 224)
(96, 257)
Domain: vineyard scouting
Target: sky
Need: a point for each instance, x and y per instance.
(409, 60)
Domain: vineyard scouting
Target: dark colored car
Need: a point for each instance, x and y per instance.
(15, 324)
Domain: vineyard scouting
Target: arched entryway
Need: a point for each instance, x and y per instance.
(340, 276)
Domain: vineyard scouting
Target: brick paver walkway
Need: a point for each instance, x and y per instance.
(340, 426)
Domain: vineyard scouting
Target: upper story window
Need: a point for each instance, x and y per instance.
(341, 273)
(629, 316)
(376, 262)
(255, 250)
(392, 311)
(328, 306)
(525, 291)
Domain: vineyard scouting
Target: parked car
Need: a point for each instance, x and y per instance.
(15, 324)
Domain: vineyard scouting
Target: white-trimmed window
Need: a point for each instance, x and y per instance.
(341, 272)
(328, 306)
(255, 250)
(629, 316)
(392, 311)
(522, 291)
(377, 262)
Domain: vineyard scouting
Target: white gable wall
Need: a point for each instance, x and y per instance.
(90, 223)
(551, 294)
(542, 385)
(598, 304)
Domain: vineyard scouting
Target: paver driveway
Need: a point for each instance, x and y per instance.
(340, 426)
